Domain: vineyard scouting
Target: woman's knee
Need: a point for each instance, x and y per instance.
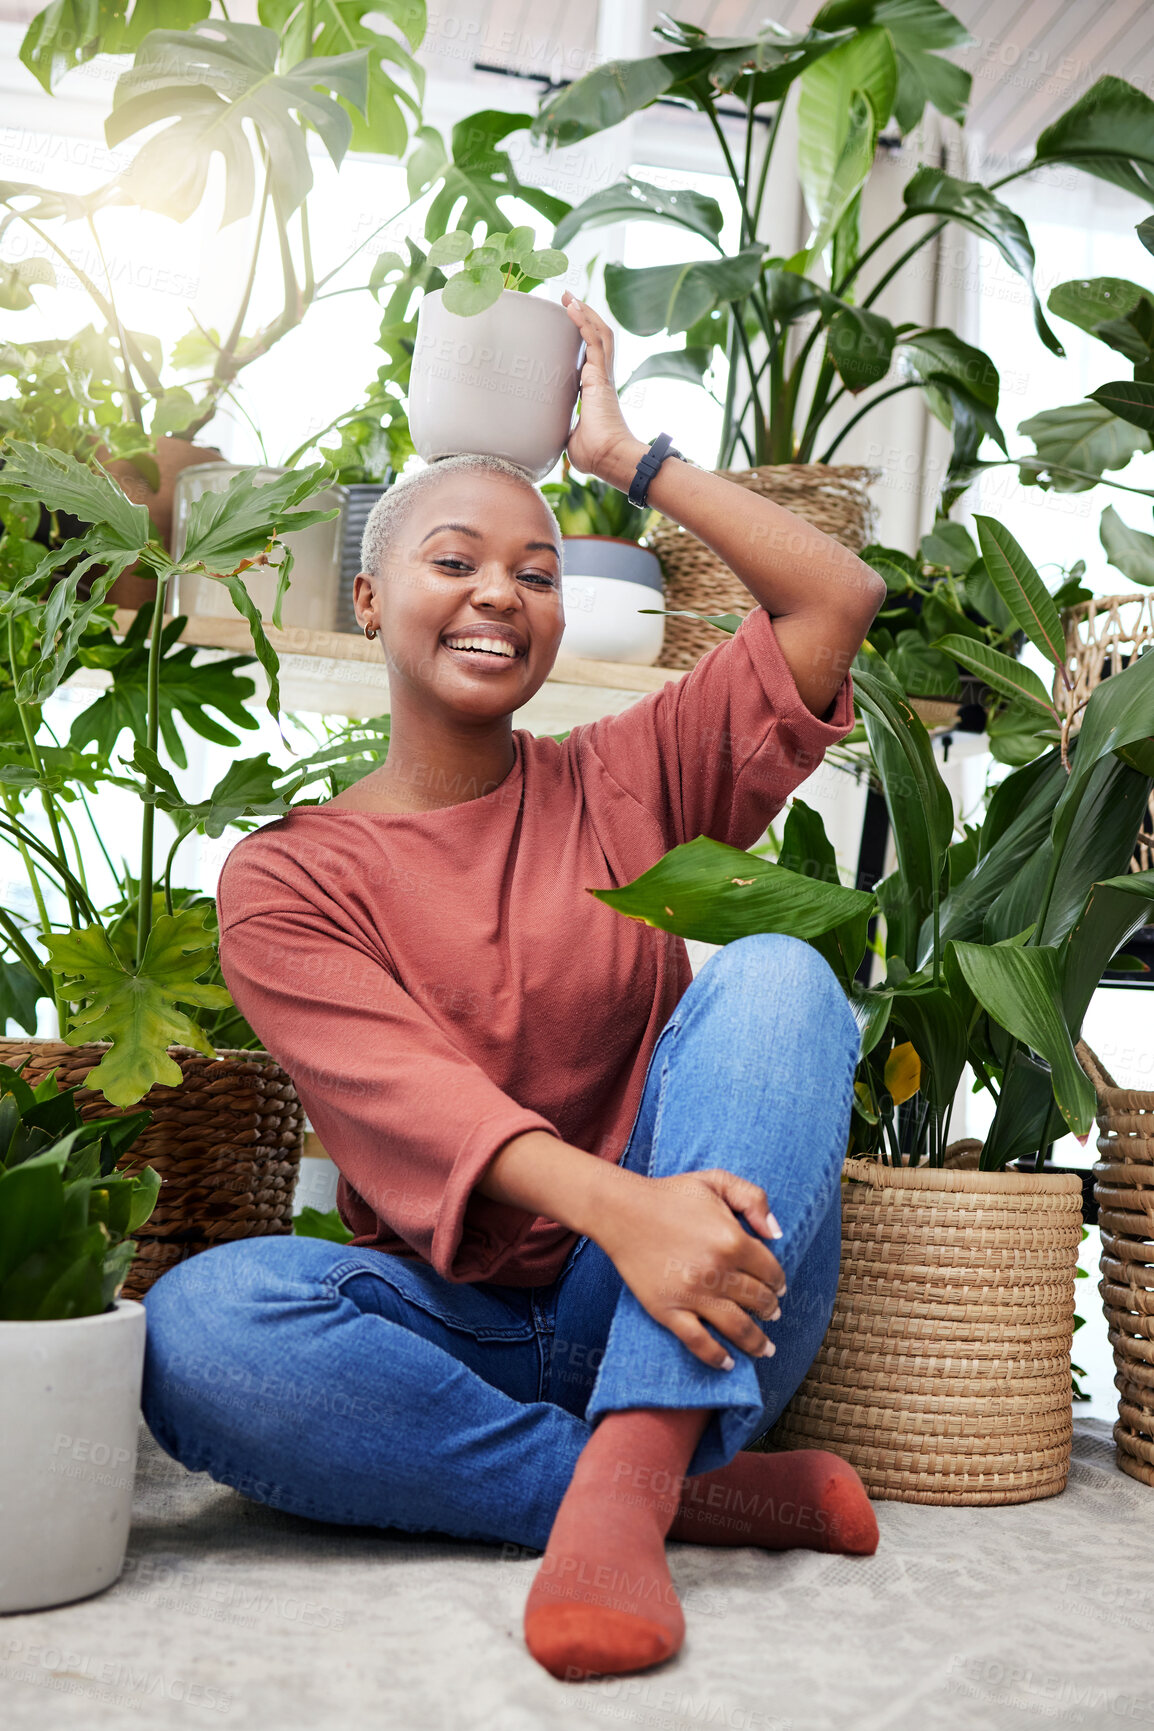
(800, 977)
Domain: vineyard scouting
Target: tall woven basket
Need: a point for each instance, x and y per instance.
(833, 497)
(1124, 1191)
(226, 1143)
(944, 1376)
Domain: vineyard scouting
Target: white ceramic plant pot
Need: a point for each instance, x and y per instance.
(606, 581)
(312, 600)
(502, 383)
(67, 1453)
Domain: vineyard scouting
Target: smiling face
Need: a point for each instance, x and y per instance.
(475, 559)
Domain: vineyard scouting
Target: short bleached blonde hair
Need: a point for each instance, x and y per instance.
(392, 508)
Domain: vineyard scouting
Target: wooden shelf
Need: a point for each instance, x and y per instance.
(342, 673)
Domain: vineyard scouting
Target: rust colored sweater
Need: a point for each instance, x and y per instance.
(437, 983)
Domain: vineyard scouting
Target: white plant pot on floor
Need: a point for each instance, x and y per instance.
(313, 597)
(606, 581)
(67, 1453)
(501, 383)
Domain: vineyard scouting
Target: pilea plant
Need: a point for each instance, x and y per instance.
(510, 260)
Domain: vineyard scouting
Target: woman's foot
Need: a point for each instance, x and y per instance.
(603, 1601)
(799, 1498)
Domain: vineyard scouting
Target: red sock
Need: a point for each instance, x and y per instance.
(805, 1499)
(602, 1601)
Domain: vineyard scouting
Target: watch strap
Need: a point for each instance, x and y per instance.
(660, 448)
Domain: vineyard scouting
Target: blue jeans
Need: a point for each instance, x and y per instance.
(352, 1386)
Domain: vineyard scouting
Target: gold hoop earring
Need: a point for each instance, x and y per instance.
(370, 632)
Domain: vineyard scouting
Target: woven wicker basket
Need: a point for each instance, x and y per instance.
(831, 496)
(1124, 1191)
(227, 1145)
(1101, 635)
(944, 1376)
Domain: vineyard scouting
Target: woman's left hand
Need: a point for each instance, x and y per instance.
(601, 443)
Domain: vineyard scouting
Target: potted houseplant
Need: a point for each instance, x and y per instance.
(803, 332)
(71, 1345)
(495, 369)
(136, 986)
(611, 583)
(994, 942)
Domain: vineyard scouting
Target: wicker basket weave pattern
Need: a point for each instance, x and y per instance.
(226, 1143)
(944, 1376)
(1124, 1190)
(831, 496)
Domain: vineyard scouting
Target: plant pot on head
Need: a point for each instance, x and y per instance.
(833, 497)
(226, 1143)
(173, 456)
(607, 581)
(311, 603)
(68, 1453)
(944, 1376)
(502, 382)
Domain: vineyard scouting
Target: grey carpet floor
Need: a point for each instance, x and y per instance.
(232, 1614)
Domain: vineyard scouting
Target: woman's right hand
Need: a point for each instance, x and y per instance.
(679, 1246)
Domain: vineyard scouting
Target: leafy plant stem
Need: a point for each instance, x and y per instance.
(867, 253)
(131, 394)
(763, 175)
(148, 816)
(46, 799)
(882, 281)
(907, 385)
(29, 957)
(817, 410)
(738, 183)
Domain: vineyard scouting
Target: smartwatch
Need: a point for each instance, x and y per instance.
(659, 448)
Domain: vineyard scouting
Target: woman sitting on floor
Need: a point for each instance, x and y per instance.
(575, 1174)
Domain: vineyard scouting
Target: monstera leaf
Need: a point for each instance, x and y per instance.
(476, 173)
(69, 32)
(340, 25)
(205, 84)
(138, 1009)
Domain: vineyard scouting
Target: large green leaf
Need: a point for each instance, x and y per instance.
(138, 1010)
(70, 32)
(806, 848)
(31, 1208)
(37, 474)
(850, 168)
(1021, 988)
(248, 788)
(1097, 846)
(1120, 713)
(1087, 437)
(611, 92)
(932, 192)
(1100, 306)
(930, 1018)
(824, 112)
(671, 297)
(1001, 671)
(631, 199)
(20, 992)
(188, 689)
(918, 28)
(687, 365)
(1128, 550)
(706, 890)
(1021, 589)
(476, 174)
(340, 26)
(205, 84)
(1130, 400)
(1114, 910)
(1108, 132)
(860, 345)
(920, 810)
